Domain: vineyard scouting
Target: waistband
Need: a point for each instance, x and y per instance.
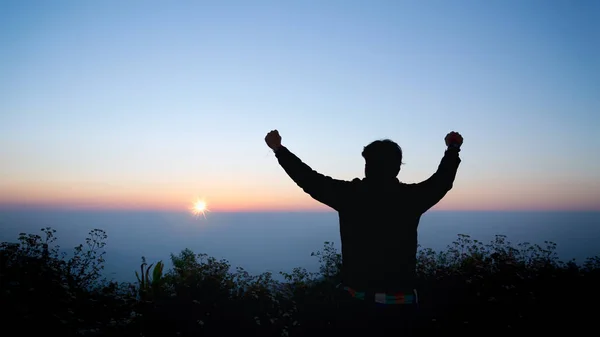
(384, 298)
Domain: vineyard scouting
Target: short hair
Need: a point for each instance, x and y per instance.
(383, 158)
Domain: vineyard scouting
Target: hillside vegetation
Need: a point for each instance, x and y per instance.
(472, 288)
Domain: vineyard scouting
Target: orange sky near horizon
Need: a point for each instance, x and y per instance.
(468, 196)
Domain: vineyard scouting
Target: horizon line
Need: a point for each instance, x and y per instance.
(39, 207)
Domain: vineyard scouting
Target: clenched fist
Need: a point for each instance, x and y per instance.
(273, 140)
(454, 139)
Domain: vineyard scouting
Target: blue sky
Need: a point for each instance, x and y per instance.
(154, 103)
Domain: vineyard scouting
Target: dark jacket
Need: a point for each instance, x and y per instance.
(378, 219)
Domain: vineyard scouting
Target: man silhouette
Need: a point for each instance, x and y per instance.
(378, 217)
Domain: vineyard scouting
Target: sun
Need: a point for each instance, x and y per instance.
(199, 207)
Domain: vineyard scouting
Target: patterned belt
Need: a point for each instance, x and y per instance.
(386, 298)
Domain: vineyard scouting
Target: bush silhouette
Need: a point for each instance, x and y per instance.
(469, 288)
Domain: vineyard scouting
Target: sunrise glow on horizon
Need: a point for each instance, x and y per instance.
(459, 199)
(119, 105)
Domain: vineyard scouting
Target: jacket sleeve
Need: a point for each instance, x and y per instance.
(432, 190)
(324, 189)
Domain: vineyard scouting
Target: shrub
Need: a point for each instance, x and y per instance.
(501, 286)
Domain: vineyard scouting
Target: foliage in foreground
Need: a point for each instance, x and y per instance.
(498, 285)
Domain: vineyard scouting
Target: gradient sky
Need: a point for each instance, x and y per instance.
(151, 104)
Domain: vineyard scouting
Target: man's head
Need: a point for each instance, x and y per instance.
(382, 159)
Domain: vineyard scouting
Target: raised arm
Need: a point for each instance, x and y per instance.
(324, 189)
(432, 190)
